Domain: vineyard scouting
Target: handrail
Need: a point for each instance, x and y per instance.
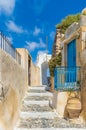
(9, 48)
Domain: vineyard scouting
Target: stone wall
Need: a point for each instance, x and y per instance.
(59, 102)
(71, 29)
(12, 73)
(35, 75)
(83, 92)
(83, 20)
(83, 66)
(13, 83)
(57, 43)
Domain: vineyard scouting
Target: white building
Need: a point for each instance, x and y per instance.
(42, 63)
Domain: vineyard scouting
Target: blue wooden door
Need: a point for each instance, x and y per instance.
(71, 54)
(71, 61)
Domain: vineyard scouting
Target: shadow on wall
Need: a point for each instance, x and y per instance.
(9, 108)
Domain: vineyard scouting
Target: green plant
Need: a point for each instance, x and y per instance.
(54, 61)
(67, 21)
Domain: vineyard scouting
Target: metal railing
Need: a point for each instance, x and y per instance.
(67, 78)
(8, 47)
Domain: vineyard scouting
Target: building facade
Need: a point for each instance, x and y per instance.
(30, 67)
(23, 58)
(70, 78)
(42, 63)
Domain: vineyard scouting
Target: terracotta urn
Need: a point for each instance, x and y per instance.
(74, 107)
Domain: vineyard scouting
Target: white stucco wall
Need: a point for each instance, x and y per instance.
(42, 63)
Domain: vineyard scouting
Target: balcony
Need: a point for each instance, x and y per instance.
(67, 78)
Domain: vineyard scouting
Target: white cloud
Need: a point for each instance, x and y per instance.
(41, 52)
(41, 43)
(31, 46)
(7, 6)
(36, 31)
(52, 35)
(14, 28)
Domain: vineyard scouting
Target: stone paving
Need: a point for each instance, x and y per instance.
(36, 113)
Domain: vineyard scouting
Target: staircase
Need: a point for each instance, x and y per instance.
(36, 113)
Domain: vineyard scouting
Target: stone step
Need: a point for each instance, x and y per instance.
(37, 98)
(47, 115)
(44, 102)
(47, 128)
(36, 91)
(44, 123)
(51, 124)
(39, 108)
(36, 113)
(48, 94)
(39, 88)
(36, 88)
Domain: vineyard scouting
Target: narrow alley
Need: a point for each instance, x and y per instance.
(42, 64)
(37, 114)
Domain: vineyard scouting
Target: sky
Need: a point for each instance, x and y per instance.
(27, 23)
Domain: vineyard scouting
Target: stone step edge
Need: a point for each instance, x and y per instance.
(32, 102)
(36, 88)
(49, 129)
(46, 115)
(29, 94)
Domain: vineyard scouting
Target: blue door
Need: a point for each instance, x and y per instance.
(71, 54)
(71, 61)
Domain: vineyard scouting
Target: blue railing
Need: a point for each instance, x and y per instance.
(67, 78)
(8, 47)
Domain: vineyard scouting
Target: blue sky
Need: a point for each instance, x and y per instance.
(26, 23)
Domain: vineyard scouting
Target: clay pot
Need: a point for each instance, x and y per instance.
(74, 107)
